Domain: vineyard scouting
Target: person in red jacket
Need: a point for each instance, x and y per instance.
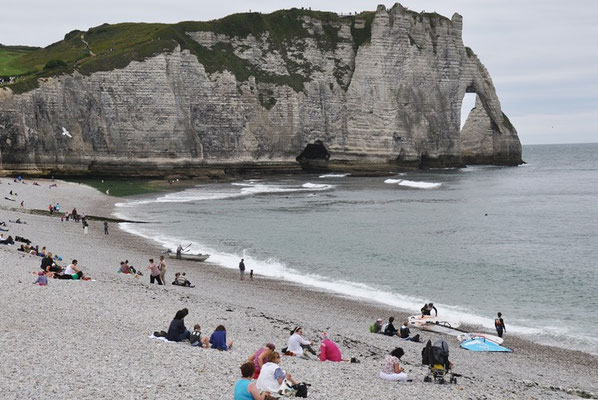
(329, 350)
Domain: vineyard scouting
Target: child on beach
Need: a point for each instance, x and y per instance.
(251, 275)
(195, 337)
(41, 279)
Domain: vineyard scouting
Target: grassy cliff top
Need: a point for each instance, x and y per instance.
(108, 47)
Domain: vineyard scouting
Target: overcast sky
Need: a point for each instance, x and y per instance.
(541, 54)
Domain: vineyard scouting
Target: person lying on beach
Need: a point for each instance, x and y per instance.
(18, 221)
(41, 279)
(22, 239)
(259, 357)
(177, 332)
(272, 375)
(405, 333)
(391, 370)
(8, 198)
(3, 230)
(297, 345)
(245, 389)
(218, 339)
(195, 338)
(9, 240)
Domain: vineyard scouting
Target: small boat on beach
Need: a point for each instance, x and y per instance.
(189, 256)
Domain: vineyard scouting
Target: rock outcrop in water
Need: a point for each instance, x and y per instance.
(326, 99)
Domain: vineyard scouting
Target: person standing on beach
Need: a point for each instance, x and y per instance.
(105, 227)
(162, 267)
(155, 272)
(499, 324)
(242, 268)
(179, 251)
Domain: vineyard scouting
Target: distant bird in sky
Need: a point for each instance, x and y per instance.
(65, 132)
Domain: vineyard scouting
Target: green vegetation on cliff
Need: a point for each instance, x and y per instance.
(109, 47)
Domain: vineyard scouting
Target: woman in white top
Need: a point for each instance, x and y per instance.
(391, 370)
(297, 343)
(271, 375)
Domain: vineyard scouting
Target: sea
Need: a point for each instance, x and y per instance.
(475, 241)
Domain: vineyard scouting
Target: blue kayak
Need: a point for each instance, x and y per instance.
(481, 344)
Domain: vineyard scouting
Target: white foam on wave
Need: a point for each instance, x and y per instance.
(238, 189)
(420, 185)
(545, 333)
(392, 181)
(334, 175)
(413, 184)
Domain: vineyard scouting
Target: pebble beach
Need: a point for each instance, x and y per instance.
(90, 339)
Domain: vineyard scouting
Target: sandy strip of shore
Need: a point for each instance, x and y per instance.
(89, 339)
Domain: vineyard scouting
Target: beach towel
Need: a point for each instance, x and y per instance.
(163, 339)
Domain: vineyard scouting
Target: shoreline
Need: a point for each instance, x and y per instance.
(128, 310)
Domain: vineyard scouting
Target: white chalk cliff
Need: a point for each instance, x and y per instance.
(392, 102)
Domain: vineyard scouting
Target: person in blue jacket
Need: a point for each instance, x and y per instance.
(218, 339)
(177, 332)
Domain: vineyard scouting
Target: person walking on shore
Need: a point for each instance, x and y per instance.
(499, 324)
(242, 268)
(105, 227)
(162, 267)
(155, 272)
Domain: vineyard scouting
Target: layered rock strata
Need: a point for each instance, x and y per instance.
(392, 102)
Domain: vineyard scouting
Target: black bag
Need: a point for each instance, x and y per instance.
(301, 389)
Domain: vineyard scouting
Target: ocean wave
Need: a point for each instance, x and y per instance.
(414, 184)
(238, 189)
(334, 175)
(539, 331)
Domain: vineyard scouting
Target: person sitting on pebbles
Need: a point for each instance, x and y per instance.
(391, 370)
(181, 280)
(177, 331)
(41, 279)
(259, 357)
(218, 339)
(195, 338)
(272, 375)
(72, 272)
(297, 345)
(245, 389)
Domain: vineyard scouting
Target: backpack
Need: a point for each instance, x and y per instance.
(301, 389)
(372, 328)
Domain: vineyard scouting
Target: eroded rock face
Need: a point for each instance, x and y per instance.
(391, 103)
